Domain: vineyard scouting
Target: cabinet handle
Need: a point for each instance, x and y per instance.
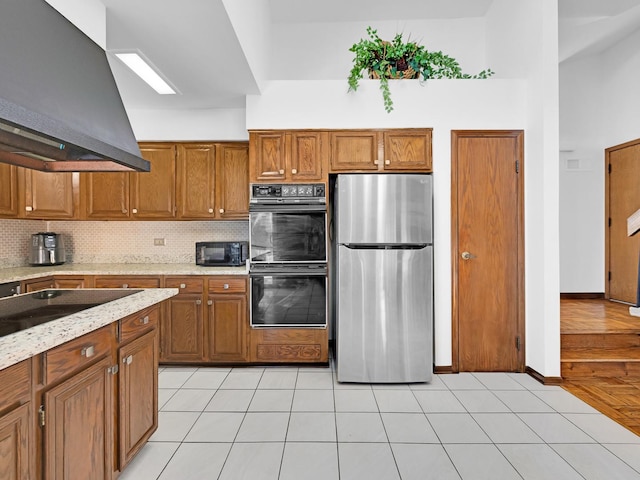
(144, 320)
(134, 210)
(209, 302)
(113, 369)
(281, 172)
(124, 210)
(198, 302)
(225, 286)
(376, 162)
(294, 171)
(211, 210)
(88, 352)
(125, 285)
(29, 209)
(183, 285)
(387, 162)
(127, 360)
(221, 210)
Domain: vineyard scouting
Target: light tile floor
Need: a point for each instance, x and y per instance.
(301, 424)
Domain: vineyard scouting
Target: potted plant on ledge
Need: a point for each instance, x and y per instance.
(397, 59)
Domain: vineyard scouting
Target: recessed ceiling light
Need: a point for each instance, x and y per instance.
(146, 72)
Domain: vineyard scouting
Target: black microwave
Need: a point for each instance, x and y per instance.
(221, 254)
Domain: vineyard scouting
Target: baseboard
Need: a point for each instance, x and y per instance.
(442, 369)
(582, 296)
(541, 378)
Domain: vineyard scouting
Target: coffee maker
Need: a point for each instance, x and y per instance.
(47, 248)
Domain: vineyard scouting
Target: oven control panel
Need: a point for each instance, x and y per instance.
(288, 191)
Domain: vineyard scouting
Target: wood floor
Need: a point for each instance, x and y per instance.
(600, 357)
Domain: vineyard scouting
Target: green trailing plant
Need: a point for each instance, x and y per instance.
(398, 59)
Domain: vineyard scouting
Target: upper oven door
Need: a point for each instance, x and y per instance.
(284, 234)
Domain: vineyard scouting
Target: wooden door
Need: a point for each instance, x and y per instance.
(182, 329)
(407, 150)
(487, 249)
(232, 186)
(105, 195)
(138, 384)
(50, 194)
(227, 328)
(8, 190)
(622, 193)
(153, 193)
(308, 157)
(267, 151)
(14, 444)
(354, 150)
(196, 181)
(78, 436)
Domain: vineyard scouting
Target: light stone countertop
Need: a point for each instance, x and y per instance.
(30, 273)
(19, 346)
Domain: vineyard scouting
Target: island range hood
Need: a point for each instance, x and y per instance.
(60, 108)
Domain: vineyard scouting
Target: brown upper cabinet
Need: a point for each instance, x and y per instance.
(288, 156)
(213, 181)
(8, 190)
(47, 195)
(153, 193)
(381, 150)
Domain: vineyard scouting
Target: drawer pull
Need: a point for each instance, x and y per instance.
(29, 209)
(125, 285)
(144, 320)
(221, 210)
(211, 210)
(88, 352)
(281, 172)
(113, 369)
(209, 302)
(387, 162)
(128, 360)
(183, 285)
(198, 302)
(225, 286)
(294, 171)
(135, 210)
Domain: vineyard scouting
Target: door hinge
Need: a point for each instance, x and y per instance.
(609, 276)
(41, 415)
(609, 221)
(609, 168)
(518, 342)
(517, 166)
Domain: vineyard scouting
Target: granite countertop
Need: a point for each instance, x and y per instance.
(19, 346)
(29, 273)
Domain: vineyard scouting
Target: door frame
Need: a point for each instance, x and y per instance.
(518, 135)
(607, 212)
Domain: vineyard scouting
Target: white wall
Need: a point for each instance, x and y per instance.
(440, 104)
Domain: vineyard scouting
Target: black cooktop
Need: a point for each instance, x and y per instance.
(31, 309)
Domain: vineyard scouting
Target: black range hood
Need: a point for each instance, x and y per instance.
(60, 109)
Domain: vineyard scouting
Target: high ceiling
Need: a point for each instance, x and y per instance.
(193, 43)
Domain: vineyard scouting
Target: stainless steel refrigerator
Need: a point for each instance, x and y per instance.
(383, 284)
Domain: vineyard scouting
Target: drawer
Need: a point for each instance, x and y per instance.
(16, 384)
(228, 285)
(127, 282)
(138, 323)
(185, 284)
(76, 354)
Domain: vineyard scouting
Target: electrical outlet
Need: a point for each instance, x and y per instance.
(159, 242)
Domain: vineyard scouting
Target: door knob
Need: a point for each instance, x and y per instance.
(467, 256)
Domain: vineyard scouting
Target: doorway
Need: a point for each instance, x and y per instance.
(622, 198)
(487, 205)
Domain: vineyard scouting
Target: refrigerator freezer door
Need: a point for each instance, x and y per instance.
(385, 315)
(384, 209)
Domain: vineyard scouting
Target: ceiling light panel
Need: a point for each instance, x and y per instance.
(143, 68)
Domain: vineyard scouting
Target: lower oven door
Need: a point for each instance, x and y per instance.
(291, 296)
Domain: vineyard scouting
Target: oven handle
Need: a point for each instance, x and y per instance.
(285, 273)
(286, 208)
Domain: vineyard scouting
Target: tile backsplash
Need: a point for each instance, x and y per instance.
(118, 242)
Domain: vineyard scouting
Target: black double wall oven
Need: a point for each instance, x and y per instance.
(288, 255)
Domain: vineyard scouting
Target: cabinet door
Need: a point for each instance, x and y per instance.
(153, 193)
(267, 152)
(196, 181)
(308, 157)
(354, 150)
(70, 282)
(138, 384)
(407, 150)
(38, 284)
(182, 329)
(232, 186)
(118, 281)
(14, 444)
(105, 195)
(227, 327)
(78, 431)
(8, 190)
(50, 194)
